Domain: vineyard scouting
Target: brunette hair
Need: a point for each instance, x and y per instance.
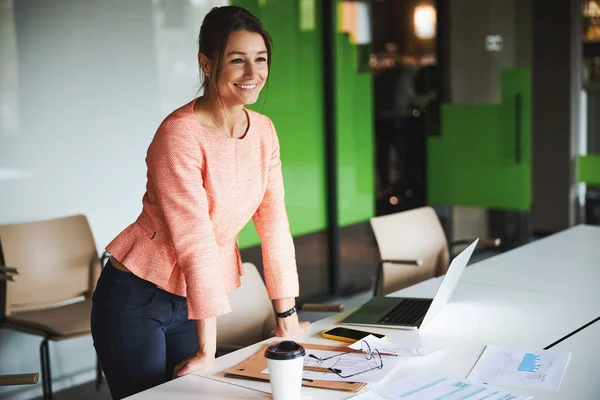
(215, 30)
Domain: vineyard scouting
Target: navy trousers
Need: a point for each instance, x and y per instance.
(140, 332)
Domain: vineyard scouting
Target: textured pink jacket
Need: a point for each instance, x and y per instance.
(201, 191)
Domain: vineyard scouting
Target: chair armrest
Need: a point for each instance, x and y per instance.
(19, 379)
(492, 242)
(9, 270)
(416, 263)
(483, 243)
(7, 273)
(322, 307)
(5, 277)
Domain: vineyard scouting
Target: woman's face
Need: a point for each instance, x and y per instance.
(244, 68)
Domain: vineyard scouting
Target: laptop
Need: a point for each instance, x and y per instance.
(411, 313)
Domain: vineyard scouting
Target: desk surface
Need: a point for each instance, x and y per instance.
(564, 264)
(530, 296)
(193, 387)
(476, 315)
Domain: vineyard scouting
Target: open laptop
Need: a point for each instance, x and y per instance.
(411, 313)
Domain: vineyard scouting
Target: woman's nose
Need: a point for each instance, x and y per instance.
(249, 71)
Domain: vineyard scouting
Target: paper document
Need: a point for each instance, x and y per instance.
(432, 386)
(386, 347)
(350, 367)
(368, 396)
(540, 369)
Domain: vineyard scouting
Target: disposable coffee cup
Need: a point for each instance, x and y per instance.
(285, 361)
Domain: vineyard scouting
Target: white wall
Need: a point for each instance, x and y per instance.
(83, 87)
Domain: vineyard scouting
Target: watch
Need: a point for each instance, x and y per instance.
(287, 313)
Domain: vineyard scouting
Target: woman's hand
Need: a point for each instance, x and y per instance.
(205, 356)
(195, 363)
(290, 326)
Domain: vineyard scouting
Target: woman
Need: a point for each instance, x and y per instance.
(212, 166)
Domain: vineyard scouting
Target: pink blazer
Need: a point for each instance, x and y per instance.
(201, 191)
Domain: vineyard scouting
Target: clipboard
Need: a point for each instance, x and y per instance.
(250, 369)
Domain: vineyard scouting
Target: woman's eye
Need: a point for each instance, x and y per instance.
(237, 61)
(261, 59)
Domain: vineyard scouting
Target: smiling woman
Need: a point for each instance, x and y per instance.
(234, 57)
(241, 73)
(212, 165)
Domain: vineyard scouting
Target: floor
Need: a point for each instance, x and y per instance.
(88, 391)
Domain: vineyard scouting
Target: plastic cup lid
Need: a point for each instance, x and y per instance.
(286, 350)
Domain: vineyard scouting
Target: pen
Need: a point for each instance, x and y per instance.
(322, 369)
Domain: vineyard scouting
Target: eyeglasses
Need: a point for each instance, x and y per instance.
(372, 356)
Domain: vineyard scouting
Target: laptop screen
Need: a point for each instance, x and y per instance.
(457, 266)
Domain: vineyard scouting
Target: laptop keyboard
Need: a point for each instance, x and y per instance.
(407, 312)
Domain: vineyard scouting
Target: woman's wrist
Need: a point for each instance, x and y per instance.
(207, 337)
(285, 304)
(288, 322)
(205, 353)
(289, 325)
(286, 313)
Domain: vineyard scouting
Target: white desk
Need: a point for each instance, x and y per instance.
(488, 314)
(531, 296)
(476, 315)
(565, 264)
(195, 387)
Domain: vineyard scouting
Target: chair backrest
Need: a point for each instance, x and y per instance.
(56, 260)
(252, 318)
(410, 235)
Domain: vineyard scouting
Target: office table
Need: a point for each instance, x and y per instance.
(476, 315)
(195, 387)
(566, 264)
(530, 296)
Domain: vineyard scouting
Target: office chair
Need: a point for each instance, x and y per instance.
(252, 318)
(52, 267)
(413, 248)
(8, 274)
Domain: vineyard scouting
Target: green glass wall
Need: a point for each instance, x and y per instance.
(354, 119)
(483, 156)
(294, 102)
(589, 169)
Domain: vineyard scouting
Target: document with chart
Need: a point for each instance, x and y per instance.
(540, 369)
(432, 386)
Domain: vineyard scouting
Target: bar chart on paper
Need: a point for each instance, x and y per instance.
(530, 363)
(542, 369)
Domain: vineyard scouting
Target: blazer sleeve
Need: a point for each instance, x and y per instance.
(174, 167)
(271, 221)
